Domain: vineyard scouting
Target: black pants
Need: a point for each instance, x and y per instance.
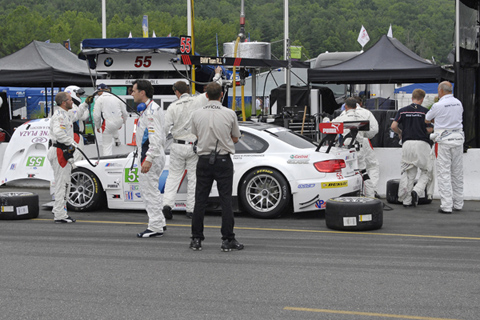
(222, 173)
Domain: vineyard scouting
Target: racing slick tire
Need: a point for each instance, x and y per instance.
(392, 193)
(264, 193)
(354, 213)
(18, 205)
(86, 191)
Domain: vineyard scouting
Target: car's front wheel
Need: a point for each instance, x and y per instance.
(86, 192)
(264, 193)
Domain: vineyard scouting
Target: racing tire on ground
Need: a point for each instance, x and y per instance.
(264, 193)
(18, 205)
(354, 213)
(86, 191)
(392, 193)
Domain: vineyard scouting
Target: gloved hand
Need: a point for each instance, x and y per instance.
(71, 149)
(89, 99)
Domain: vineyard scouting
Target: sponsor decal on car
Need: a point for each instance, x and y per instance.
(320, 204)
(40, 140)
(306, 185)
(128, 195)
(298, 161)
(134, 187)
(138, 195)
(337, 184)
(13, 166)
(297, 156)
(112, 164)
(112, 186)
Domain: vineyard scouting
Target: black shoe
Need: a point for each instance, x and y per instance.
(164, 228)
(455, 209)
(196, 244)
(229, 245)
(377, 195)
(66, 220)
(189, 215)
(414, 198)
(149, 233)
(407, 205)
(167, 212)
(443, 211)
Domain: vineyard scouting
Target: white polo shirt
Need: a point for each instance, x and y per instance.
(447, 113)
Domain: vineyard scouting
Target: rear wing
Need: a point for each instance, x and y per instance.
(332, 129)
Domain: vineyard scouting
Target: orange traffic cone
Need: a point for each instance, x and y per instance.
(134, 138)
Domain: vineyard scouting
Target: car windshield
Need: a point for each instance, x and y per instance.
(292, 138)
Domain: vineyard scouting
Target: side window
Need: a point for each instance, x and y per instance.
(249, 143)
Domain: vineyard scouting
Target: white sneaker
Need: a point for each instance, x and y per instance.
(149, 233)
(66, 220)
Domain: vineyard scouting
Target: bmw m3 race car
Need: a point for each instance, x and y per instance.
(276, 171)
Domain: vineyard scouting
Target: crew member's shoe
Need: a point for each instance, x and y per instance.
(66, 220)
(414, 198)
(455, 209)
(167, 212)
(196, 244)
(229, 245)
(443, 211)
(189, 215)
(407, 205)
(149, 233)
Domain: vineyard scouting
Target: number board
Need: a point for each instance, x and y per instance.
(131, 175)
(185, 44)
(35, 161)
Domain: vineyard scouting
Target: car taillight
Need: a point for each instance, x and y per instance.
(330, 165)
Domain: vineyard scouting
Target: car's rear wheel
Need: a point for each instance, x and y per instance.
(86, 192)
(264, 193)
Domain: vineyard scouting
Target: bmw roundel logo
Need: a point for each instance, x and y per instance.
(108, 62)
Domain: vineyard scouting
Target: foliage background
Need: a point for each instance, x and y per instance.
(426, 27)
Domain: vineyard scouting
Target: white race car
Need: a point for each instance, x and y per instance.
(276, 171)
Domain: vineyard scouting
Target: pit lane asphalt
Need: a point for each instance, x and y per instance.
(420, 265)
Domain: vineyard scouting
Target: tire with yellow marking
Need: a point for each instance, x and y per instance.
(354, 213)
(18, 205)
(392, 193)
(86, 191)
(265, 193)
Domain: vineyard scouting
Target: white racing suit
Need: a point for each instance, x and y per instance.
(61, 131)
(178, 120)
(150, 141)
(80, 113)
(366, 149)
(371, 161)
(109, 114)
(449, 166)
(416, 154)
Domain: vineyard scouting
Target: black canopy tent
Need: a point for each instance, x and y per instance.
(41, 64)
(388, 61)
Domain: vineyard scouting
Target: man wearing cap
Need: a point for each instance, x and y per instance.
(109, 114)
